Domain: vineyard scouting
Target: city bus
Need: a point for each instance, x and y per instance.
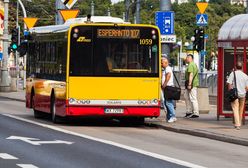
(97, 67)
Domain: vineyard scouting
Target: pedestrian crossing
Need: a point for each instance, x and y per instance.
(26, 166)
(6, 156)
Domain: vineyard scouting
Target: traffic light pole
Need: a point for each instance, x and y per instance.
(17, 53)
(4, 85)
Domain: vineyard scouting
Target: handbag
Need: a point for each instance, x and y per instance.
(172, 92)
(232, 94)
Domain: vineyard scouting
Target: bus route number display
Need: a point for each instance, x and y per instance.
(114, 33)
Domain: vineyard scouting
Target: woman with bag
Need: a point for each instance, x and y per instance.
(239, 80)
(167, 80)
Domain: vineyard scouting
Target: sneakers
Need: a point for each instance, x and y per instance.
(237, 127)
(188, 115)
(194, 116)
(172, 119)
(191, 115)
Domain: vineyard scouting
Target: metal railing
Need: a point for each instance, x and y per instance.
(206, 79)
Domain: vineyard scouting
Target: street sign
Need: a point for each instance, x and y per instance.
(206, 36)
(165, 22)
(202, 6)
(69, 13)
(203, 53)
(30, 22)
(69, 3)
(201, 19)
(168, 39)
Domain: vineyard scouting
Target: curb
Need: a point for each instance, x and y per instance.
(202, 133)
(15, 99)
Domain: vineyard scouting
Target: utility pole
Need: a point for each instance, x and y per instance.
(138, 11)
(58, 18)
(165, 6)
(92, 8)
(4, 85)
(127, 5)
(246, 6)
(109, 13)
(17, 53)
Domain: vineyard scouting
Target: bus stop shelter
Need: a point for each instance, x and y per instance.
(232, 47)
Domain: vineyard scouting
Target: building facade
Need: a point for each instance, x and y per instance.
(240, 2)
(179, 1)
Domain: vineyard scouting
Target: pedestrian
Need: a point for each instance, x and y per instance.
(191, 84)
(167, 80)
(242, 87)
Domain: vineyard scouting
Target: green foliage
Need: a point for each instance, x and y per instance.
(100, 6)
(218, 12)
(185, 14)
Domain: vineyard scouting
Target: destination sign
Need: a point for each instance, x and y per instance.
(113, 33)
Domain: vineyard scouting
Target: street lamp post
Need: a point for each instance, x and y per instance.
(180, 43)
(4, 85)
(165, 6)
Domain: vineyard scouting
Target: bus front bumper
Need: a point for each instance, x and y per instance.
(152, 111)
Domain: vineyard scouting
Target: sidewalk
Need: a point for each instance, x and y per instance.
(206, 126)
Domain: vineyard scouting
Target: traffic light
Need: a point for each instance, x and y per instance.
(22, 49)
(199, 39)
(14, 39)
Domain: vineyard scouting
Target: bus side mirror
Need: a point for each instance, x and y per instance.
(22, 49)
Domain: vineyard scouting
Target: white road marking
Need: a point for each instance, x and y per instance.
(7, 156)
(35, 141)
(151, 154)
(26, 166)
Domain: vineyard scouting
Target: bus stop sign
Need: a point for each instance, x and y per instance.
(165, 22)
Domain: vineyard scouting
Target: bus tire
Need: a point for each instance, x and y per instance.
(54, 117)
(37, 114)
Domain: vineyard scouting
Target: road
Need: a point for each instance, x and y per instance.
(102, 143)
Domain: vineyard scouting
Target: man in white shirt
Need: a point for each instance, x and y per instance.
(242, 87)
(167, 80)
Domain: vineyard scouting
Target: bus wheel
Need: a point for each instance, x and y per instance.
(54, 117)
(37, 114)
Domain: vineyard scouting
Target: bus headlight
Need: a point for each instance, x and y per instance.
(72, 101)
(154, 102)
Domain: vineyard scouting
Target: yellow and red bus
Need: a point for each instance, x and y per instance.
(103, 67)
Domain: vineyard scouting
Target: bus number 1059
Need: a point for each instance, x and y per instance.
(145, 41)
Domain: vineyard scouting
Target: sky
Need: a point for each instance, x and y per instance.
(114, 1)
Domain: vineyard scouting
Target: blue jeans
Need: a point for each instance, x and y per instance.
(169, 104)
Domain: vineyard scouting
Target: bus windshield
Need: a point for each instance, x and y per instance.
(114, 51)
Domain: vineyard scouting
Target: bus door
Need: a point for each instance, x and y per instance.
(80, 60)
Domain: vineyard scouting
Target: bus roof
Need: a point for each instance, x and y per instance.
(64, 27)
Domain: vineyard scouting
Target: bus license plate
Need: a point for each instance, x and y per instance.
(113, 111)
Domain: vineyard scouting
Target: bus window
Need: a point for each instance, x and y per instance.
(124, 55)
